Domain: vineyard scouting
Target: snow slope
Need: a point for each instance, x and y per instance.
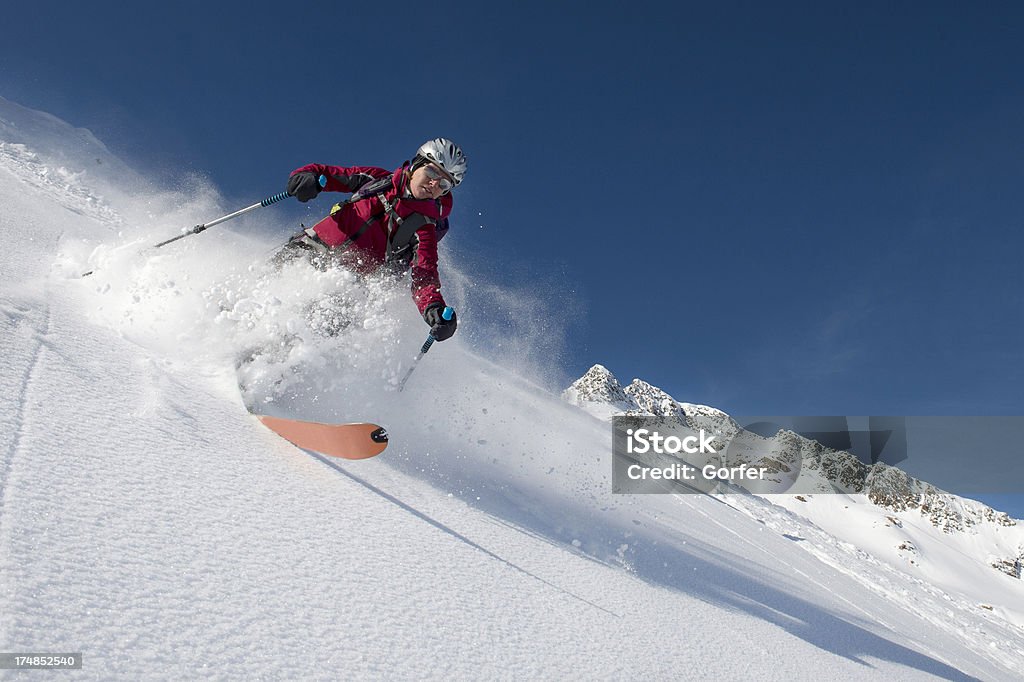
(147, 521)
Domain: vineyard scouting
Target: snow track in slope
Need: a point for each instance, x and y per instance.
(21, 397)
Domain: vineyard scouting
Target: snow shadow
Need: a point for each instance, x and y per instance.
(704, 571)
(449, 530)
(662, 557)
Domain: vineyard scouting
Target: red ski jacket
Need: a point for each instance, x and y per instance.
(371, 244)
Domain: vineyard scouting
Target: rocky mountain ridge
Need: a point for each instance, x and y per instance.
(798, 466)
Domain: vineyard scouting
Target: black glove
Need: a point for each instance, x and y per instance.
(440, 328)
(304, 186)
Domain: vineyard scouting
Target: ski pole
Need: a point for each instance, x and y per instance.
(199, 228)
(446, 314)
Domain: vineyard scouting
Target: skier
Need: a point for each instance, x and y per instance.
(393, 219)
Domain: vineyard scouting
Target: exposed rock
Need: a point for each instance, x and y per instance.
(652, 400)
(598, 385)
(1012, 567)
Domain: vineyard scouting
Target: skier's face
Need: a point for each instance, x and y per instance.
(429, 182)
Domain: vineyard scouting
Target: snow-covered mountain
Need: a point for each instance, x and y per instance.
(150, 523)
(951, 541)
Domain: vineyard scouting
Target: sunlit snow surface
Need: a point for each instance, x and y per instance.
(147, 521)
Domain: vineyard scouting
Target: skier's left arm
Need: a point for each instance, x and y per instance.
(426, 285)
(426, 282)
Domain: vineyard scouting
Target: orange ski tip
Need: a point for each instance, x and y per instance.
(348, 441)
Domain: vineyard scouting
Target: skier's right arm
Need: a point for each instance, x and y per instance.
(304, 183)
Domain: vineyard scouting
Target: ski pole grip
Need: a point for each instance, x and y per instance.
(446, 315)
(274, 199)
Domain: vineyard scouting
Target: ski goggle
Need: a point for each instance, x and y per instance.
(444, 181)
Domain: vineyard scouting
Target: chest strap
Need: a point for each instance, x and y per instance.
(397, 238)
(370, 189)
(351, 239)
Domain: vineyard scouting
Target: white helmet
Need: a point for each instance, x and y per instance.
(445, 154)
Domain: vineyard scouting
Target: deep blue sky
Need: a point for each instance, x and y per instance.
(774, 208)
